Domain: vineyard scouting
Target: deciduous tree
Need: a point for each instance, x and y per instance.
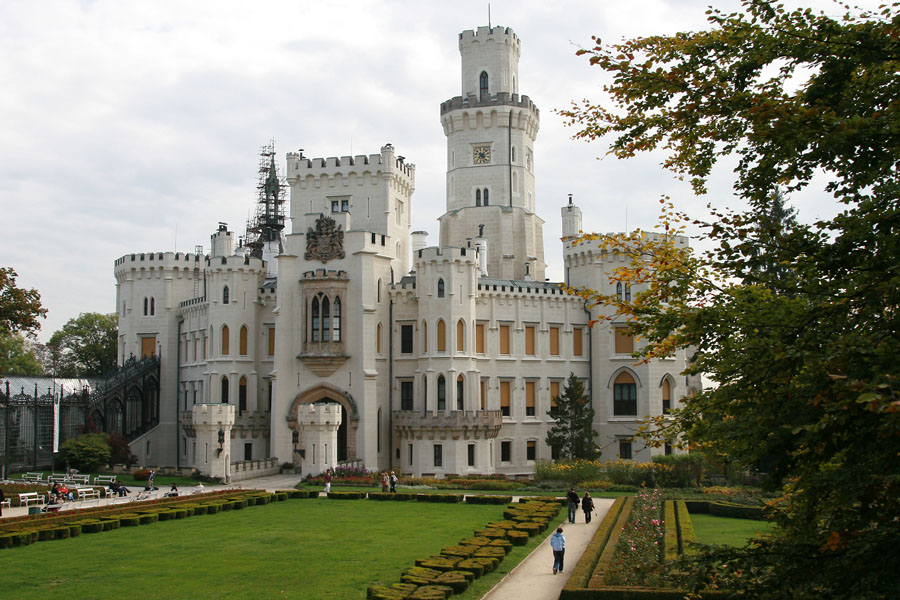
(19, 309)
(86, 345)
(803, 356)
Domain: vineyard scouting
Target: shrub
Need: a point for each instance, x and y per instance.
(61, 532)
(380, 592)
(146, 519)
(458, 580)
(141, 474)
(488, 499)
(129, 520)
(516, 537)
(86, 451)
(7, 540)
(432, 592)
(505, 544)
(475, 541)
(74, 529)
(110, 523)
(46, 534)
(685, 470)
(451, 498)
(281, 496)
(346, 495)
(91, 526)
(438, 563)
(459, 551)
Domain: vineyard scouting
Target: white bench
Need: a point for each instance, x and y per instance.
(27, 498)
(80, 479)
(88, 494)
(51, 508)
(6, 503)
(32, 476)
(104, 479)
(58, 478)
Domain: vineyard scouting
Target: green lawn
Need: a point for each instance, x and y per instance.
(711, 529)
(297, 548)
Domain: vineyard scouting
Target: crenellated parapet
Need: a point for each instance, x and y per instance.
(446, 254)
(501, 99)
(156, 264)
(346, 170)
(485, 34)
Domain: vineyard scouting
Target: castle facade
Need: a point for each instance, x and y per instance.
(351, 340)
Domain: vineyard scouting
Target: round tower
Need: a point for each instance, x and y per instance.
(490, 132)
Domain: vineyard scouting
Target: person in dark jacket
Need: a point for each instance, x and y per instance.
(587, 505)
(572, 497)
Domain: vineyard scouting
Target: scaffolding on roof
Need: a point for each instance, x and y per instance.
(267, 220)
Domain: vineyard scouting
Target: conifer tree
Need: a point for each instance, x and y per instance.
(572, 436)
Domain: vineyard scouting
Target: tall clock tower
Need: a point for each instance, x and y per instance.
(490, 133)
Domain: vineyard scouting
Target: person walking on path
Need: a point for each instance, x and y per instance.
(384, 481)
(587, 505)
(572, 496)
(328, 480)
(558, 544)
(393, 482)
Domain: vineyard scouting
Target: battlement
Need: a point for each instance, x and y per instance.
(159, 260)
(499, 99)
(212, 414)
(235, 262)
(319, 274)
(319, 414)
(484, 33)
(301, 166)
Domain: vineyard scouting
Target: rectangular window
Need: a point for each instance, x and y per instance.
(668, 449)
(471, 457)
(335, 206)
(438, 455)
(504, 339)
(505, 451)
(204, 347)
(624, 342)
(406, 339)
(345, 206)
(577, 338)
(529, 398)
(479, 338)
(148, 347)
(529, 340)
(196, 342)
(409, 448)
(554, 341)
(530, 450)
(625, 449)
(248, 451)
(504, 398)
(271, 341)
(406, 395)
(554, 393)
(484, 394)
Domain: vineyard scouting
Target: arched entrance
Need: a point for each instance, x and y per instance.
(346, 436)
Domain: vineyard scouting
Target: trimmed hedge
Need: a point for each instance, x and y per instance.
(671, 526)
(404, 496)
(686, 529)
(346, 495)
(488, 499)
(450, 498)
(583, 570)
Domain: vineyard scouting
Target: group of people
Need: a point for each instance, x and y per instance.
(389, 481)
(60, 492)
(587, 505)
(558, 540)
(118, 489)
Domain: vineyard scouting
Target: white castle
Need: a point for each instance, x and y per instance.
(351, 340)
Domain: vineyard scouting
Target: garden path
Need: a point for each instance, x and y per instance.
(533, 578)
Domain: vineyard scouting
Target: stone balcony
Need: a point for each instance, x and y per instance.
(456, 424)
(251, 424)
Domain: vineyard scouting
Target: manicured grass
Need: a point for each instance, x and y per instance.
(297, 548)
(711, 529)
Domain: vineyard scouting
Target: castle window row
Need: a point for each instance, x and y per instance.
(482, 197)
(325, 318)
(532, 398)
(551, 339)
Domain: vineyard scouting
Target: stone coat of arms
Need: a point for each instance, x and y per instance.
(326, 241)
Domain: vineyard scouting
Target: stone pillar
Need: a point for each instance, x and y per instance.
(318, 425)
(213, 455)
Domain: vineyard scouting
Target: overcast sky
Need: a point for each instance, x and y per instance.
(135, 126)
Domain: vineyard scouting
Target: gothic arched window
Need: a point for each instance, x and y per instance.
(326, 320)
(477, 197)
(440, 288)
(441, 336)
(485, 196)
(224, 390)
(314, 319)
(624, 396)
(242, 341)
(460, 385)
(225, 297)
(441, 393)
(225, 340)
(242, 394)
(619, 290)
(483, 84)
(336, 320)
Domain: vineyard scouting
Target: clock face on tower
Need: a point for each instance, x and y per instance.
(481, 155)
